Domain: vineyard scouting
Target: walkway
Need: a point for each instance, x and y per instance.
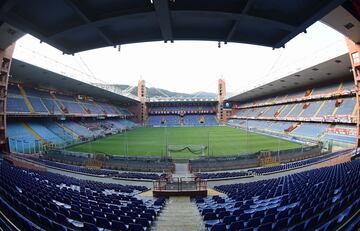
(180, 214)
(182, 170)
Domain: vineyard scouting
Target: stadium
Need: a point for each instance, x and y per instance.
(79, 154)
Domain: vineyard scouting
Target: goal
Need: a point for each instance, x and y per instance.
(197, 149)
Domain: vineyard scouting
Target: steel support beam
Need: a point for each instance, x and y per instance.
(245, 11)
(164, 18)
(75, 7)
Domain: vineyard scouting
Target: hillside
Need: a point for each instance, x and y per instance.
(158, 92)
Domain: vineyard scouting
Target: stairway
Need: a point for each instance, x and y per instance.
(319, 109)
(68, 130)
(335, 110)
(180, 214)
(87, 110)
(182, 170)
(59, 103)
(32, 132)
(26, 100)
(293, 107)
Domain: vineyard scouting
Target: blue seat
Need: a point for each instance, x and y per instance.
(90, 227)
(223, 214)
(210, 219)
(103, 222)
(150, 211)
(118, 212)
(296, 218)
(281, 224)
(307, 213)
(219, 210)
(143, 221)
(258, 214)
(282, 214)
(111, 217)
(229, 219)
(207, 210)
(244, 216)
(75, 215)
(219, 227)
(235, 226)
(312, 222)
(126, 219)
(98, 213)
(58, 227)
(253, 223)
(49, 213)
(118, 225)
(34, 215)
(86, 210)
(324, 216)
(238, 212)
(88, 218)
(247, 229)
(62, 219)
(301, 227)
(136, 227)
(331, 225)
(269, 218)
(265, 227)
(147, 216)
(45, 222)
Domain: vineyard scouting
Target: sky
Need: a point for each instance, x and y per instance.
(188, 66)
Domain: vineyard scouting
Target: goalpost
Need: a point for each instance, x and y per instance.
(197, 149)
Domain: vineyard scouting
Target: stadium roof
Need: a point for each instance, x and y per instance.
(73, 25)
(35, 76)
(333, 69)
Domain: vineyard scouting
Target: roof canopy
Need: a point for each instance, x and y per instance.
(73, 25)
(336, 69)
(38, 77)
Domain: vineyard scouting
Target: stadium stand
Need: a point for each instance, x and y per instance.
(15, 104)
(138, 175)
(290, 114)
(51, 201)
(187, 120)
(310, 130)
(96, 172)
(248, 161)
(113, 162)
(72, 168)
(33, 136)
(21, 140)
(173, 114)
(320, 199)
(22, 99)
(223, 175)
(297, 164)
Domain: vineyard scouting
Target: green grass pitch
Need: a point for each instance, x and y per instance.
(221, 141)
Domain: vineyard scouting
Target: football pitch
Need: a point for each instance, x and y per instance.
(217, 141)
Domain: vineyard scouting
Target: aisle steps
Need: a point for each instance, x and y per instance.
(26, 100)
(180, 214)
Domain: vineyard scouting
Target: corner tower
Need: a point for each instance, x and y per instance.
(221, 98)
(141, 93)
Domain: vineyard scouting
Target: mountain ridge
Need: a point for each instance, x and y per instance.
(159, 92)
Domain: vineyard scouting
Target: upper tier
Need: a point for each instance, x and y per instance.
(33, 102)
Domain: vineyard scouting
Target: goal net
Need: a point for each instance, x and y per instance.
(197, 149)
